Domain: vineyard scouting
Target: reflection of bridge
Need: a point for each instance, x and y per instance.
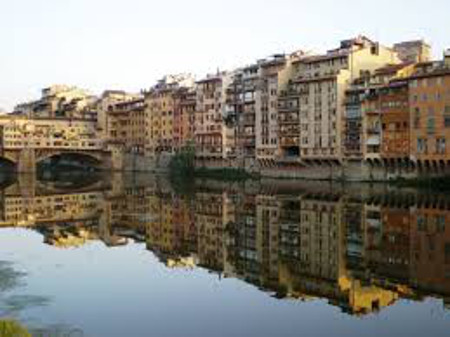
(24, 143)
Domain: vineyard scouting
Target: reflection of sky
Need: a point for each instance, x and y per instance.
(126, 292)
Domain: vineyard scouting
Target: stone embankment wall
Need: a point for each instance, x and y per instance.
(356, 171)
(347, 171)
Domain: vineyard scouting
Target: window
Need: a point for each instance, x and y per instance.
(447, 121)
(440, 223)
(447, 251)
(417, 122)
(421, 145)
(421, 223)
(440, 145)
(430, 125)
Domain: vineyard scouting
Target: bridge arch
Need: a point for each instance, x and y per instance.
(8, 162)
(8, 157)
(76, 159)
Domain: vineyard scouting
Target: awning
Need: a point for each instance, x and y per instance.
(374, 140)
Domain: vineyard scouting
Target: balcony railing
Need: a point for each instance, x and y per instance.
(288, 120)
(289, 132)
(289, 93)
(290, 141)
(283, 108)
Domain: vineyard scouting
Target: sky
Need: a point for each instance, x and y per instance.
(129, 44)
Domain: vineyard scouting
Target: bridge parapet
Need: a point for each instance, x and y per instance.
(24, 140)
(17, 133)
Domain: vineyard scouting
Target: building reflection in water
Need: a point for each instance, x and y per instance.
(362, 251)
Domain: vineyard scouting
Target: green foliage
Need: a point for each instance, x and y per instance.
(182, 164)
(183, 171)
(10, 328)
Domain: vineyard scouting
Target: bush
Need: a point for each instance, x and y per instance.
(11, 328)
(183, 163)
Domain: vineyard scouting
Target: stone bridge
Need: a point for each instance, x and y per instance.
(25, 142)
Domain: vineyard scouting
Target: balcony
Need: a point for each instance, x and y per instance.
(289, 141)
(249, 142)
(288, 120)
(289, 93)
(283, 108)
(373, 141)
(234, 101)
(291, 132)
(247, 121)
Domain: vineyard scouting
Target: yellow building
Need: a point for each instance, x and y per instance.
(166, 104)
(413, 51)
(60, 101)
(126, 125)
(106, 103)
(21, 132)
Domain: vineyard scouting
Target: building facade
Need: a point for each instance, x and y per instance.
(323, 81)
(413, 51)
(60, 101)
(429, 97)
(215, 139)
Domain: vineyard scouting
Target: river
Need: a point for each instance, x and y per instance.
(113, 255)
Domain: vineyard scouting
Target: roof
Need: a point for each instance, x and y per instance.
(131, 102)
(216, 78)
(318, 58)
(392, 68)
(315, 79)
(441, 71)
(411, 43)
(113, 92)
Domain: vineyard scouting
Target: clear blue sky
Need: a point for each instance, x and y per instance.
(99, 44)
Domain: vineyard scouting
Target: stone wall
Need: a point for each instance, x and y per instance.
(348, 171)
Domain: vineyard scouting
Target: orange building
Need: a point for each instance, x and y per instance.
(184, 117)
(394, 101)
(430, 250)
(126, 125)
(430, 114)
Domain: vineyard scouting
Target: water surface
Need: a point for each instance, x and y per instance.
(138, 256)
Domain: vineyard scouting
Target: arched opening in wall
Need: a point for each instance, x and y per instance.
(58, 181)
(66, 162)
(7, 171)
